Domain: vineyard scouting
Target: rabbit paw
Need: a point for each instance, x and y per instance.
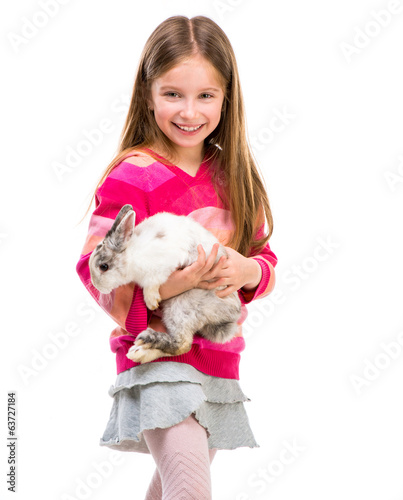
(142, 353)
(152, 298)
(142, 350)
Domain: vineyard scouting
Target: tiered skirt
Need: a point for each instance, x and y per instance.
(162, 394)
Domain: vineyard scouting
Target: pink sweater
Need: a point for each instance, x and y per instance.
(154, 185)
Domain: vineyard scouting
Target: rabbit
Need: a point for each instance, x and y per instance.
(147, 254)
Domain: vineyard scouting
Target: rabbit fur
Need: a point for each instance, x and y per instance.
(147, 254)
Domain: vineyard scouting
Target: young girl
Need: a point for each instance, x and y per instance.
(184, 150)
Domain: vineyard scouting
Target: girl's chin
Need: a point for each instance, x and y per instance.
(186, 142)
(196, 145)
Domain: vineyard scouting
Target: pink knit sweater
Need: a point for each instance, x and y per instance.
(153, 185)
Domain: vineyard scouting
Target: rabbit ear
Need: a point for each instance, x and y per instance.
(122, 229)
(119, 217)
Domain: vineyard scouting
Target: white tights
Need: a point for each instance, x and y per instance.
(183, 462)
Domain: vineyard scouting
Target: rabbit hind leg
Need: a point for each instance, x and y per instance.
(221, 316)
(151, 345)
(220, 333)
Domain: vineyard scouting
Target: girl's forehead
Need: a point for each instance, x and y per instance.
(195, 70)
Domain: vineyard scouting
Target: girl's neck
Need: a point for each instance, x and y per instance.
(188, 159)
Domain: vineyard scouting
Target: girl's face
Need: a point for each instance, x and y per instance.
(187, 102)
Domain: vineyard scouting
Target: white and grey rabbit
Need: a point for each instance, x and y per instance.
(147, 254)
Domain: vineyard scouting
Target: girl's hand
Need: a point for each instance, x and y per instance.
(235, 272)
(191, 276)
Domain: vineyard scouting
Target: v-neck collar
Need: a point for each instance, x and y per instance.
(177, 170)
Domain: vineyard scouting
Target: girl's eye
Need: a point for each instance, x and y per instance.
(175, 94)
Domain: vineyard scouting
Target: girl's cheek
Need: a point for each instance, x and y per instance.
(166, 110)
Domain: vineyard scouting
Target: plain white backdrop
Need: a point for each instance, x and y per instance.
(323, 362)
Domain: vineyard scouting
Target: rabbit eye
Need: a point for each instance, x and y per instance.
(104, 267)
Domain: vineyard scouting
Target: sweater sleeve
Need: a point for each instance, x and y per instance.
(267, 261)
(125, 304)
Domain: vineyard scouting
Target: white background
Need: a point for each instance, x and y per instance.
(334, 174)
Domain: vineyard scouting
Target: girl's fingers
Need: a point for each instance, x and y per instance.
(212, 257)
(210, 285)
(198, 265)
(204, 269)
(202, 254)
(212, 273)
(201, 258)
(227, 291)
(205, 285)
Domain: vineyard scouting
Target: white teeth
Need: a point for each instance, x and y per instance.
(188, 129)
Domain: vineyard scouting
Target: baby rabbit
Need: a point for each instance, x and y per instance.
(147, 254)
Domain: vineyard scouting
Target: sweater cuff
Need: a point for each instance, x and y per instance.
(247, 296)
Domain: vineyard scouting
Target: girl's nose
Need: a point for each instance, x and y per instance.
(189, 110)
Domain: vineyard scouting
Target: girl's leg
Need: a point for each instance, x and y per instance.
(183, 462)
(154, 491)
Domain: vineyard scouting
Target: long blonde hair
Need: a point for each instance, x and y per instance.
(174, 40)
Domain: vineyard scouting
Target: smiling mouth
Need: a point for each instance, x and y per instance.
(188, 129)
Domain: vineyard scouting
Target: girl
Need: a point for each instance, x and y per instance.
(184, 150)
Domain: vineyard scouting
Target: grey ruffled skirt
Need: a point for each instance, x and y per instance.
(162, 394)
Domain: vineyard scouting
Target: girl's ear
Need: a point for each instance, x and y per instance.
(148, 97)
(150, 104)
